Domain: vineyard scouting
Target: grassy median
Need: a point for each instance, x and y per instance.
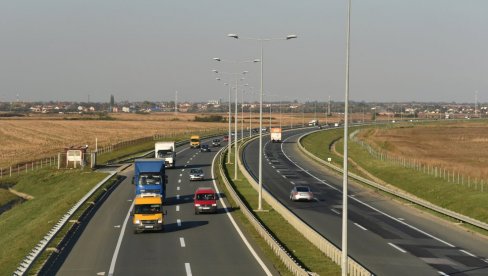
(302, 250)
(55, 192)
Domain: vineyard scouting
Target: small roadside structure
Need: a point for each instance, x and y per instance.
(76, 156)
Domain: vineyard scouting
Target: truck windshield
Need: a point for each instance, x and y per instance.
(195, 140)
(150, 179)
(147, 209)
(164, 153)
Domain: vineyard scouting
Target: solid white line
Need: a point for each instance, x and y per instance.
(365, 204)
(246, 242)
(402, 219)
(442, 273)
(178, 221)
(467, 253)
(188, 269)
(119, 242)
(360, 226)
(337, 212)
(177, 208)
(178, 188)
(182, 242)
(397, 248)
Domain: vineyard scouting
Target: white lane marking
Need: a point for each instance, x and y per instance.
(177, 208)
(101, 273)
(442, 273)
(397, 248)
(365, 204)
(293, 183)
(117, 226)
(179, 180)
(188, 269)
(181, 174)
(130, 200)
(360, 226)
(246, 242)
(335, 211)
(182, 242)
(177, 197)
(467, 253)
(178, 188)
(183, 170)
(273, 167)
(402, 219)
(188, 161)
(178, 221)
(119, 242)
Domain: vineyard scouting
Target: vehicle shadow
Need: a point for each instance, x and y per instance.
(173, 227)
(173, 200)
(191, 166)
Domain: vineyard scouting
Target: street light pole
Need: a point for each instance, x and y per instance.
(230, 120)
(235, 135)
(260, 175)
(345, 160)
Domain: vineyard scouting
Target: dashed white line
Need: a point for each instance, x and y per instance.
(177, 208)
(183, 170)
(273, 167)
(178, 188)
(360, 226)
(292, 183)
(177, 197)
(178, 221)
(467, 253)
(179, 180)
(402, 219)
(182, 242)
(188, 269)
(397, 248)
(181, 174)
(188, 161)
(284, 176)
(335, 211)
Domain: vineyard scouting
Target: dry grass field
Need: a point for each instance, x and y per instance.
(455, 146)
(38, 136)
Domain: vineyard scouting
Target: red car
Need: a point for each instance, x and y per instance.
(205, 200)
(226, 138)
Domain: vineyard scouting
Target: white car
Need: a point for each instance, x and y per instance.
(301, 193)
(196, 174)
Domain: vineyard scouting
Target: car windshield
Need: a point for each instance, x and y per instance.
(147, 209)
(196, 171)
(150, 179)
(303, 189)
(205, 196)
(204, 146)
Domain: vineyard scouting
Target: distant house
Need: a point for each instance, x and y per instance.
(126, 109)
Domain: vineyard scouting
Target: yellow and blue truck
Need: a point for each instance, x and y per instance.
(148, 213)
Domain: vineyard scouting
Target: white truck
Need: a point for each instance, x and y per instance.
(276, 134)
(166, 151)
(313, 123)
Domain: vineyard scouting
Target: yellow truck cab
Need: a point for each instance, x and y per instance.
(148, 213)
(195, 141)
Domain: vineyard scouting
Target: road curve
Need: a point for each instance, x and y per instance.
(386, 237)
(205, 244)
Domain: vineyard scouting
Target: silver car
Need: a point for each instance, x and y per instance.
(301, 193)
(196, 174)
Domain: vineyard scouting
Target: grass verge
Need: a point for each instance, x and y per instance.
(54, 192)
(302, 250)
(436, 190)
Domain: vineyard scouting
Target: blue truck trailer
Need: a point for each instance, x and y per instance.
(150, 177)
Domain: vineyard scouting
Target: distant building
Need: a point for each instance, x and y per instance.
(126, 109)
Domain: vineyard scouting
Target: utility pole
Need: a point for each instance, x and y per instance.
(176, 102)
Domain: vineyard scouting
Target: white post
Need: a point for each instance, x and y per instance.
(260, 175)
(235, 137)
(230, 136)
(345, 160)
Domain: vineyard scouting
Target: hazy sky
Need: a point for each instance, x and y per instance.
(402, 50)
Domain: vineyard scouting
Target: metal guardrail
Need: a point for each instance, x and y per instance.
(27, 262)
(324, 245)
(280, 252)
(397, 192)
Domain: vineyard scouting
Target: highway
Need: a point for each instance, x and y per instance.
(385, 236)
(205, 244)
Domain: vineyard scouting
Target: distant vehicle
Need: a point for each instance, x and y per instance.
(276, 134)
(205, 200)
(301, 193)
(255, 130)
(216, 142)
(150, 177)
(148, 213)
(166, 151)
(195, 141)
(336, 124)
(313, 123)
(226, 138)
(205, 148)
(196, 174)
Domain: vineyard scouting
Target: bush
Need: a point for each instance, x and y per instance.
(211, 118)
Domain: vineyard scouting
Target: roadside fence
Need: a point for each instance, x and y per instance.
(450, 176)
